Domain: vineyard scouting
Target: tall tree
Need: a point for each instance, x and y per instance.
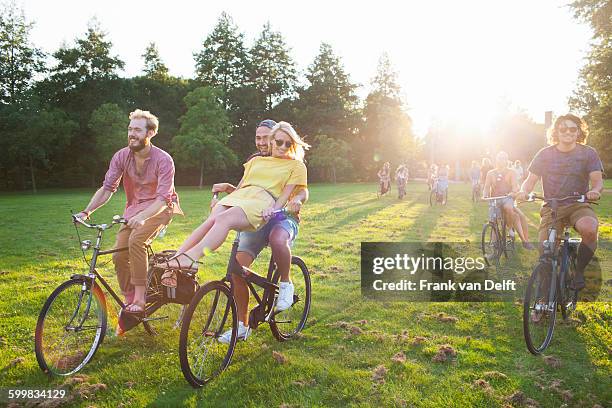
(204, 133)
(273, 69)
(329, 104)
(593, 96)
(387, 132)
(154, 67)
(223, 61)
(20, 60)
(385, 80)
(89, 59)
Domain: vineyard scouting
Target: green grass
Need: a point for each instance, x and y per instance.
(39, 250)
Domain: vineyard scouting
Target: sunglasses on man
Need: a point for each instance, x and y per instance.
(571, 129)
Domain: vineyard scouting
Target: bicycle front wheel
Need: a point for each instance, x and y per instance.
(70, 327)
(490, 244)
(288, 323)
(211, 313)
(568, 297)
(539, 314)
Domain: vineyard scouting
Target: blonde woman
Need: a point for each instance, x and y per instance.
(266, 185)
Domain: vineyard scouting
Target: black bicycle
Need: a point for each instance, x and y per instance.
(496, 238)
(73, 321)
(213, 312)
(549, 286)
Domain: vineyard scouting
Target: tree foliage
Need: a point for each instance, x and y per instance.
(154, 67)
(273, 70)
(223, 61)
(20, 60)
(204, 133)
(593, 96)
(107, 125)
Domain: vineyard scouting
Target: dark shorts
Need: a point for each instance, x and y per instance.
(566, 215)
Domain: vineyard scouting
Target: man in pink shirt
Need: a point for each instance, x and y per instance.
(148, 181)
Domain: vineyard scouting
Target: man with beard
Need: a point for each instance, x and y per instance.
(148, 181)
(279, 234)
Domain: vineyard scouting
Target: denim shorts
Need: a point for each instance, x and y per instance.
(254, 242)
(495, 207)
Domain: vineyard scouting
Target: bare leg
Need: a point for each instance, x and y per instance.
(524, 223)
(241, 290)
(232, 219)
(279, 243)
(199, 233)
(513, 220)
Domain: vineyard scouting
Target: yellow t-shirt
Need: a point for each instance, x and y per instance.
(273, 174)
(262, 183)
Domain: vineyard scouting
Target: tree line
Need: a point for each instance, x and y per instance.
(62, 115)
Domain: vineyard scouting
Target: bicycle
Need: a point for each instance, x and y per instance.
(213, 311)
(383, 188)
(436, 196)
(73, 321)
(549, 286)
(475, 192)
(401, 187)
(496, 239)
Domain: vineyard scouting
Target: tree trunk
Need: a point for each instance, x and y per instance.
(201, 173)
(32, 174)
(334, 174)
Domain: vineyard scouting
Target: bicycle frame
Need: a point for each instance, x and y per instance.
(93, 275)
(264, 309)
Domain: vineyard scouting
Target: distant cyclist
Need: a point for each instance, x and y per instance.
(384, 175)
(566, 168)
(502, 181)
(401, 177)
(475, 174)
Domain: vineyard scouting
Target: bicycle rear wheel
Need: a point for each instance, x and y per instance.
(538, 316)
(70, 328)
(490, 244)
(288, 323)
(211, 312)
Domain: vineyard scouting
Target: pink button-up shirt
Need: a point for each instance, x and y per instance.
(156, 180)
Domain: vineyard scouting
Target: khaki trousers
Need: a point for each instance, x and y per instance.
(131, 266)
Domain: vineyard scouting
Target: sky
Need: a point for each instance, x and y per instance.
(454, 59)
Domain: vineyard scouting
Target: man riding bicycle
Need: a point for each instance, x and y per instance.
(148, 180)
(502, 181)
(566, 168)
(279, 233)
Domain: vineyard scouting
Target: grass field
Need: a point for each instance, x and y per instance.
(348, 354)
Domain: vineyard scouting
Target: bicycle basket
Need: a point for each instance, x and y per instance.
(186, 287)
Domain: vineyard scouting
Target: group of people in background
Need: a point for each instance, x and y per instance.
(401, 178)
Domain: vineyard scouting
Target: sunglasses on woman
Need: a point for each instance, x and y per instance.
(287, 143)
(571, 129)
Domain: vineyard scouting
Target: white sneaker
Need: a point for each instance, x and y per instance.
(243, 333)
(285, 296)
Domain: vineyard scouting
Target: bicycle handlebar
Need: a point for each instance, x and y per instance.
(577, 198)
(496, 198)
(117, 219)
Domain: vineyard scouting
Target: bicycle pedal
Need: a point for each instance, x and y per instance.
(151, 319)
